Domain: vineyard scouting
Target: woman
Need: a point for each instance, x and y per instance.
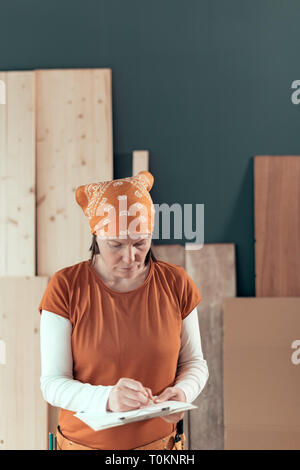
(120, 329)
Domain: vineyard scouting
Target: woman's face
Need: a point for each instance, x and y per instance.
(124, 257)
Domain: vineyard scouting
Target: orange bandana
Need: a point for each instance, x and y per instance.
(115, 204)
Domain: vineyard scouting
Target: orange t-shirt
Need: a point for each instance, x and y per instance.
(133, 334)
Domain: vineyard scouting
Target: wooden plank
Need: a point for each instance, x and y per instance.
(261, 373)
(74, 147)
(277, 225)
(2, 92)
(140, 161)
(174, 254)
(17, 175)
(212, 268)
(23, 410)
(170, 253)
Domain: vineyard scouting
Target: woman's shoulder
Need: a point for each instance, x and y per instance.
(71, 272)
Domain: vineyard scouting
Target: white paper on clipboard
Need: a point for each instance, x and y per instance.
(99, 420)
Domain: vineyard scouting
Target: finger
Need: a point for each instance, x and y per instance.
(170, 419)
(167, 394)
(133, 384)
(139, 396)
(160, 398)
(136, 386)
(163, 397)
(133, 395)
(173, 417)
(131, 402)
(141, 388)
(149, 391)
(143, 398)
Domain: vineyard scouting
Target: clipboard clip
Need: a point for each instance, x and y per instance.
(122, 418)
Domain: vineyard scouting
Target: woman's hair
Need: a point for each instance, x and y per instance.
(94, 248)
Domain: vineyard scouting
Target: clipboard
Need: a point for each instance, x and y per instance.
(99, 421)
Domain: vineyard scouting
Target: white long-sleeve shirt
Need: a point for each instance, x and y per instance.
(60, 389)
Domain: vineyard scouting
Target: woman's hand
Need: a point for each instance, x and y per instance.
(128, 394)
(171, 393)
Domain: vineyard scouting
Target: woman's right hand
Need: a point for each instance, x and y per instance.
(128, 394)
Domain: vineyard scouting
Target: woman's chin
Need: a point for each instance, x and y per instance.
(128, 272)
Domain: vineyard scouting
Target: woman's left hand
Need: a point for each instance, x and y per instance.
(171, 393)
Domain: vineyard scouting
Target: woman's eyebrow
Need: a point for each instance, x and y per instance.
(115, 241)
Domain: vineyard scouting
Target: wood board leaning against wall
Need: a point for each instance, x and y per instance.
(277, 206)
(261, 376)
(212, 268)
(23, 413)
(17, 175)
(74, 147)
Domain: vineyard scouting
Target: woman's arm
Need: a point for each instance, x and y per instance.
(192, 371)
(61, 390)
(57, 383)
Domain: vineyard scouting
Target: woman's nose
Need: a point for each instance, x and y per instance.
(129, 254)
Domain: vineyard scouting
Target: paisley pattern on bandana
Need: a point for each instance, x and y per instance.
(108, 202)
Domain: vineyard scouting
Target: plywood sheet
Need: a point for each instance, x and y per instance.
(23, 410)
(74, 147)
(277, 225)
(212, 268)
(17, 175)
(170, 253)
(261, 373)
(174, 254)
(140, 161)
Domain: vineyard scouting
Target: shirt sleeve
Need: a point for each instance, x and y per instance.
(56, 297)
(57, 383)
(189, 294)
(192, 371)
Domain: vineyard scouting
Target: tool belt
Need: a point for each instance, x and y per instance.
(173, 441)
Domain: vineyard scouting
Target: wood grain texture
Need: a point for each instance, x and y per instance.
(140, 161)
(23, 410)
(74, 147)
(17, 175)
(174, 254)
(261, 373)
(277, 225)
(212, 268)
(170, 253)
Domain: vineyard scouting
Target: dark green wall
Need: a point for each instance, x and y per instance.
(203, 85)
